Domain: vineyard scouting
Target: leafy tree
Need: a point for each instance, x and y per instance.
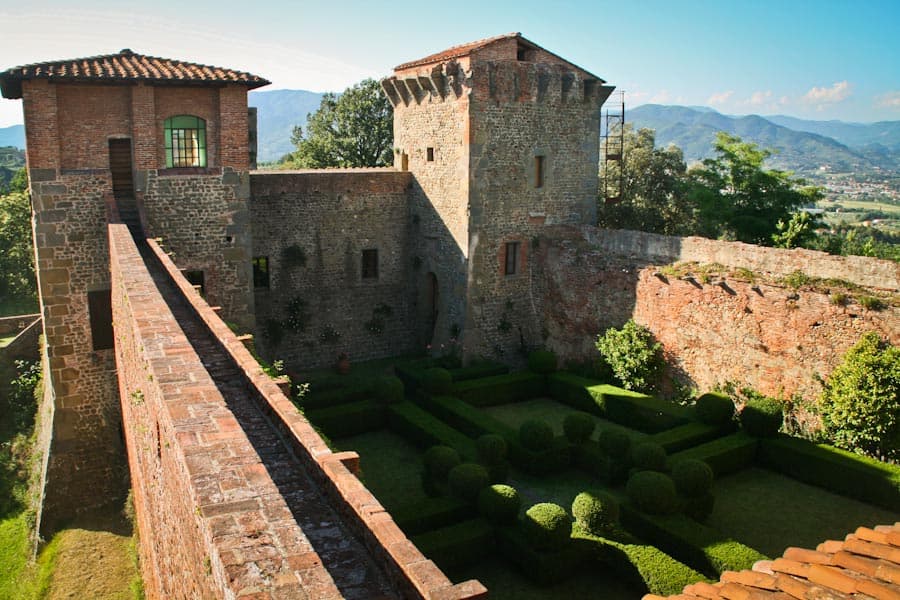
(736, 198)
(653, 191)
(354, 129)
(18, 289)
(860, 405)
(797, 232)
(635, 358)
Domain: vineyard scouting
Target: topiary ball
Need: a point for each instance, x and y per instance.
(536, 435)
(762, 416)
(615, 443)
(542, 361)
(578, 427)
(714, 408)
(692, 477)
(648, 456)
(547, 526)
(389, 389)
(491, 448)
(439, 460)
(499, 503)
(652, 492)
(437, 381)
(700, 507)
(595, 511)
(467, 480)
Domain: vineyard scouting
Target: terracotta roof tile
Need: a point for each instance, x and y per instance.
(456, 51)
(124, 66)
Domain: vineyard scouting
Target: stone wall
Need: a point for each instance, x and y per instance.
(741, 326)
(327, 218)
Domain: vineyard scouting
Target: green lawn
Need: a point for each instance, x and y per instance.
(553, 412)
(770, 512)
(391, 466)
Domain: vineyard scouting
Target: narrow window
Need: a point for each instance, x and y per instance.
(185, 138)
(261, 272)
(429, 154)
(100, 315)
(196, 279)
(370, 263)
(538, 171)
(512, 258)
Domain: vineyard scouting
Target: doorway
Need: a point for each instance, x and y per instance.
(432, 300)
(120, 168)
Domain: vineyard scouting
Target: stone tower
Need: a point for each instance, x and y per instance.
(502, 137)
(166, 143)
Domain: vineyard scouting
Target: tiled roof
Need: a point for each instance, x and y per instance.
(865, 565)
(124, 66)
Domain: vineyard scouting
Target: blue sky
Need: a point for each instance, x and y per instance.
(815, 59)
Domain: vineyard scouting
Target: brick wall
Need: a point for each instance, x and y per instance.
(88, 116)
(332, 216)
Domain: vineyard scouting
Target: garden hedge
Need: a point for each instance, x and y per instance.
(499, 504)
(431, 513)
(457, 545)
(573, 390)
(578, 427)
(685, 436)
(478, 371)
(544, 568)
(653, 492)
(349, 419)
(698, 545)
(542, 361)
(834, 469)
(547, 526)
(596, 512)
(500, 389)
(439, 460)
(714, 408)
(762, 416)
(724, 455)
(466, 480)
(424, 430)
(468, 419)
(353, 392)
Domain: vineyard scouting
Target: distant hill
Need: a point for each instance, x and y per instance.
(278, 112)
(854, 135)
(13, 136)
(11, 160)
(802, 151)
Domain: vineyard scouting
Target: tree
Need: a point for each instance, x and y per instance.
(653, 187)
(736, 198)
(798, 232)
(18, 288)
(634, 357)
(860, 405)
(354, 129)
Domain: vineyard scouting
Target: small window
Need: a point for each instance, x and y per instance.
(261, 272)
(196, 279)
(538, 171)
(429, 154)
(370, 263)
(512, 258)
(185, 138)
(100, 315)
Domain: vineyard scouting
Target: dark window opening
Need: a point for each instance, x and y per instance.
(538, 171)
(512, 258)
(185, 140)
(196, 279)
(100, 315)
(429, 154)
(370, 263)
(521, 53)
(261, 272)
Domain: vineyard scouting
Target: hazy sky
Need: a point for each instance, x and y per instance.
(816, 59)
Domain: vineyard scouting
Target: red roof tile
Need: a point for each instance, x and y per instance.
(124, 66)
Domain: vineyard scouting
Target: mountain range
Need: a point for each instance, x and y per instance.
(277, 113)
(13, 136)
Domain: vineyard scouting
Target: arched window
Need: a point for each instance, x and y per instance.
(185, 141)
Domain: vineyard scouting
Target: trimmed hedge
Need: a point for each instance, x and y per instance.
(478, 371)
(639, 411)
(491, 449)
(652, 492)
(591, 458)
(685, 436)
(573, 390)
(834, 469)
(361, 390)
(714, 408)
(536, 435)
(762, 416)
(389, 389)
(615, 443)
(439, 460)
(424, 430)
(349, 419)
(645, 566)
(596, 512)
(544, 568)
(436, 380)
(457, 545)
(724, 455)
(467, 480)
(648, 456)
(468, 419)
(499, 503)
(554, 458)
(500, 389)
(698, 545)
(431, 513)
(547, 526)
(542, 361)
(692, 477)
(578, 427)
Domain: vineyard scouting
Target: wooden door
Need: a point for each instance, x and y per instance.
(120, 168)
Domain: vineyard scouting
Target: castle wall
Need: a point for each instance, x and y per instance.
(329, 218)
(743, 324)
(88, 116)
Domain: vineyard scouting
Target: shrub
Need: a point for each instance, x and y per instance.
(595, 511)
(700, 507)
(636, 360)
(436, 380)
(425, 430)
(542, 361)
(686, 436)
(652, 492)
(578, 427)
(724, 455)
(615, 443)
(349, 419)
(714, 408)
(536, 434)
(860, 405)
(389, 389)
(648, 456)
(467, 480)
(499, 503)
(491, 448)
(439, 460)
(692, 477)
(762, 416)
(457, 545)
(547, 526)
(500, 389)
